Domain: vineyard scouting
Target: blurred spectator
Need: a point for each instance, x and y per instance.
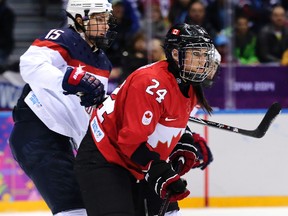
(178, 11)
(256, 11)
(7, 22)
(245, 42)
(272, 40)
(158, 23)
(221, 44)
(134, 6)
(159, 26)
(217, 14)
(135, 56)
(127, 24)
(284, 59)
(197, 16)
(156, 48)
(124, 12)
(164, 6)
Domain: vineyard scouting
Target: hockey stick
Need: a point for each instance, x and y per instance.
(164, 205)
(166, 200)
(259, 132)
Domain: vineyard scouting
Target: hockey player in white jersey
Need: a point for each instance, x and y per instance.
(49, 115)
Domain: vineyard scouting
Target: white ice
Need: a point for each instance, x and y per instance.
(195, 212)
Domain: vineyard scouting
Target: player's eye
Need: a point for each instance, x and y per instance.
(196, 53)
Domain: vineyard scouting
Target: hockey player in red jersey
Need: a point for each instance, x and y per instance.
(142, 124)
(49, 116)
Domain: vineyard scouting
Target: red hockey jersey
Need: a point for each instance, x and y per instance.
(148, 107)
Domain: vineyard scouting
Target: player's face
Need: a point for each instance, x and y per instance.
(98, 25)
(195, 60)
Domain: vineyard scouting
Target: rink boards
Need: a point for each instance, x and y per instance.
(245, 171)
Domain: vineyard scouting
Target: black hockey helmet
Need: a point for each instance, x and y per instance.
(192, 41)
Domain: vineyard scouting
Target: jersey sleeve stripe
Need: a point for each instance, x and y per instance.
(54, 46)
(70, 61)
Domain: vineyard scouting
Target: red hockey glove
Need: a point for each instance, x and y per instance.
(163, 178)
(201, 145)
(91, 90)
(187, 152)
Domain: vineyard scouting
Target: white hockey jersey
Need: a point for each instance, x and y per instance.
(43, 66)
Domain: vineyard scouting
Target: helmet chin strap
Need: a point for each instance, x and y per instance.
(77, 25)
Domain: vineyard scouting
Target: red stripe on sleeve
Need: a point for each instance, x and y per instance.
(71, 62)
(54, 46)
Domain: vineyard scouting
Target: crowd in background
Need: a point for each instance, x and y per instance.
(245, 32)
(256, 34)
(258, 29)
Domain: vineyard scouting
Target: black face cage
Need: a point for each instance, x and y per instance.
(196, 61)
(102, 38)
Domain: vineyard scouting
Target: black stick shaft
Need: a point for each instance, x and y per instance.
(164, 205)
(259, 132)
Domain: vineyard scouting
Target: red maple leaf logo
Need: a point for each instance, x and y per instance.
(175, 31)
(148, 115)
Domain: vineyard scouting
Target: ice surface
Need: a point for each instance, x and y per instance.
(195, 212)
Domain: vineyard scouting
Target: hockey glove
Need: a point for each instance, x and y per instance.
(88, 100)
(163, 178)
(78, 81)
(201, 145)
(187, 152)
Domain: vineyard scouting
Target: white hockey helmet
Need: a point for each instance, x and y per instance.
(85, 8)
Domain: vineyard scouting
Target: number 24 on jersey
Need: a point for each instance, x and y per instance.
(152, 89)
